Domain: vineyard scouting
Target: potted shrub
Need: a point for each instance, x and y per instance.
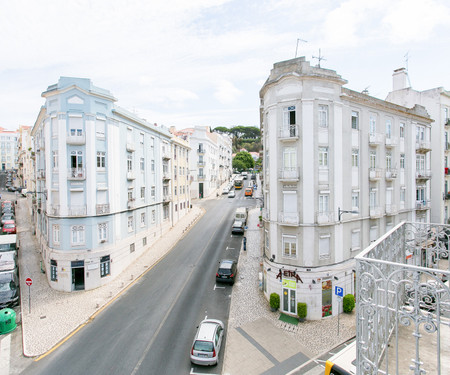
(274, 301)
(302, 311)
(348, 303)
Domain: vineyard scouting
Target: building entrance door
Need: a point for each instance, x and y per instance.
(200, 190)
(289, 296)
(78, 275)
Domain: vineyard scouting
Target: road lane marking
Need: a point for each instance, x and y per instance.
(5, 353)
(218, 287)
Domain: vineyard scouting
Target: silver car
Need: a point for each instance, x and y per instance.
(207, 342)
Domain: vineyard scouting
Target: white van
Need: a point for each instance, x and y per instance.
(241, 215)
(8, 242)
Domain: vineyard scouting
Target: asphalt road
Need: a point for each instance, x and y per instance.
(149, 330)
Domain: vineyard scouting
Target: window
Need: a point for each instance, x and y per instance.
(141, 139)
(402, 130)
(153, 216)
(373, 159)
(55, 159)
(142, 219)
(144, 241)
(105, 266)
(142, 164)
(102, 232)
(324, 247)
(324, 203)
(388, 160)
(420, 163)
(175, 190)
(152, 165)
(130, 194)
(323, 157)
(373, 233)
(101, 159)
(388, 128)
(153, 192)
(129, 162)
(355, 157)
(76, 159)
(289, 246)
(323, 116)
(402, 161)
(100, 128)
(373, 199)
(356, 240)
(355, 201)
(289, 158)
(142, 192)
(53, 270)
(402, 195)
(165, 212)
(288, 116)
(78, 237)
(355, 120)
(420, 133)
(372, 124)
(56, 234)
(130, 223)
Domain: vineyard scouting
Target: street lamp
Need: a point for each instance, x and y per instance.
(340, 212)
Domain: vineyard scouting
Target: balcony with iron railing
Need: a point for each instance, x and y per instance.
(76, 210)
(166, 198)
(325, 217)
(423, 174)
(289, 218)
(131, 175)
(423, 204)
(403, 302)
(131, 203)
(201, 151)
(390, 141)
(376, 139)
(391, 209)
(288, 133)
(391, 173)
(289, 174)
(76, 174)
(101, 209)
(375, 174)
(375, 212)
(423, 146)
(201, 177)
(76, 138)
(40, 174)
(131, 146)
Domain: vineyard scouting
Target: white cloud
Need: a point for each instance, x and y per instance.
(226, 92)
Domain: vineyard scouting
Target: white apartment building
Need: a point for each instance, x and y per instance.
(340, 168)
(25, 161)
(437, 103)
(180, 177)
(211, 161)
(8, 149)
(104, 184)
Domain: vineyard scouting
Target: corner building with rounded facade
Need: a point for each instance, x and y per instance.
(340, 168)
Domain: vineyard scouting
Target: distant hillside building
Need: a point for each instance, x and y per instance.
(8, 149)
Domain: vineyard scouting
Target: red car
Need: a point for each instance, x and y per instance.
(9, 227)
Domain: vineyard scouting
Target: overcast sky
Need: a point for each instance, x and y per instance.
(203, 62)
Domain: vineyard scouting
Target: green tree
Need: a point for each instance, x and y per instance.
(238, 165)
(221, 129)
(245, 158)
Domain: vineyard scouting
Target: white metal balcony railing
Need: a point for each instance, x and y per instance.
(423, 174)
(289, 133)
(131, 146)
(376, 138)
(289, 218)
(391, 173)
(131, 175)
(102, 209)
(76, 174)
(79, 210)
(423, 205)
(403, 302)
(166, 154)
(391, 209)
(166, 176)
(391, 141)
(167, 198)
(54, 210)
(130, 203)
(375, 211)
(375, 174)
(289, 174)
(325, 217)
(76, 139)
(41, 174)
(201, 177)
(423, 146)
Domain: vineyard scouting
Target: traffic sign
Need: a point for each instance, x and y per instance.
(28, 281)
(339, 291)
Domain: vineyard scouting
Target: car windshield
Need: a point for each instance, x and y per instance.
(203, 346)
(9, 226)
(6, 287)
(225, 271)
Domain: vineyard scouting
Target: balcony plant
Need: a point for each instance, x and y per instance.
(348, 303)
(302, 311)
(274, 301)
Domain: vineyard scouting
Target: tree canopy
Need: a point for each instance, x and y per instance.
(248, 137)
(243, 161)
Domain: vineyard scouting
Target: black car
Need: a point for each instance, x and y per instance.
(227, 271)
(9, 289)
(238, 227)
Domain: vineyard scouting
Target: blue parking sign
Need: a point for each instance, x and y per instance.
(339, 291)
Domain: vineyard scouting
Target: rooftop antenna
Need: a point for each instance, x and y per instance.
(406, 64)
(299, 40)
(365, 91)
(320, 58)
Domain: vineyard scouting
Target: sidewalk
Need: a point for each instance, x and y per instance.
(54, 315)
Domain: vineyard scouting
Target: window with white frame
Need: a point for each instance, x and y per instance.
(355, 201)
(323, 116)
(388, 160)
(388, 128)
(402, 130)
(373, 159)
(142, 164)
(372, 124)
(402, 195)
(165, 212)
(77, 234)
(355, 120)
(356, 240)
(289, 117)
(130, 194)
(289, 246)
(153, 192)
(129, 162)
(420, 133)
(420, 162)
(142, 219)
(402, 161)
(323, 157)
(105, 266)
(373, 198)
(55, 159)
(373, 233)
(289, 158)
(100, 128)
(141, 139)
(130, 223)
(153, 216)
(144, 241)
(142, 192)
(56, 233)
(101, 160)
(355, 157)
(53, 270)
(324, 247)
(324, 203)
(102, 232)
(266, 239)
(152, 163)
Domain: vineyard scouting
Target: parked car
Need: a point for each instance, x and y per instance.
(207, 342)
(225, 190)
(9, 227)
(238, 227)
(231, 194)
(9, 289)
(8, 261)
(249, 192)
(227, 271)
(9, 243)
(7, 216)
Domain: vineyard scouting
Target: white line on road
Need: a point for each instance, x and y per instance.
(5, 351)
(218, 287)
(199, 373)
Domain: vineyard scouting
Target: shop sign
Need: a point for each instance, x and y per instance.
(286, 273)
(291, 284)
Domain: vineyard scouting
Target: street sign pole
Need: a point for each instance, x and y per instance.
(29, 299)
(340, 294)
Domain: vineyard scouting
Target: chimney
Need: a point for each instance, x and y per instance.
(399, 79)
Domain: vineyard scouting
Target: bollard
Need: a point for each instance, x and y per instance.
(245, 243)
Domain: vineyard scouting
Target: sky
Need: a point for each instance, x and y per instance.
(184, 63)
